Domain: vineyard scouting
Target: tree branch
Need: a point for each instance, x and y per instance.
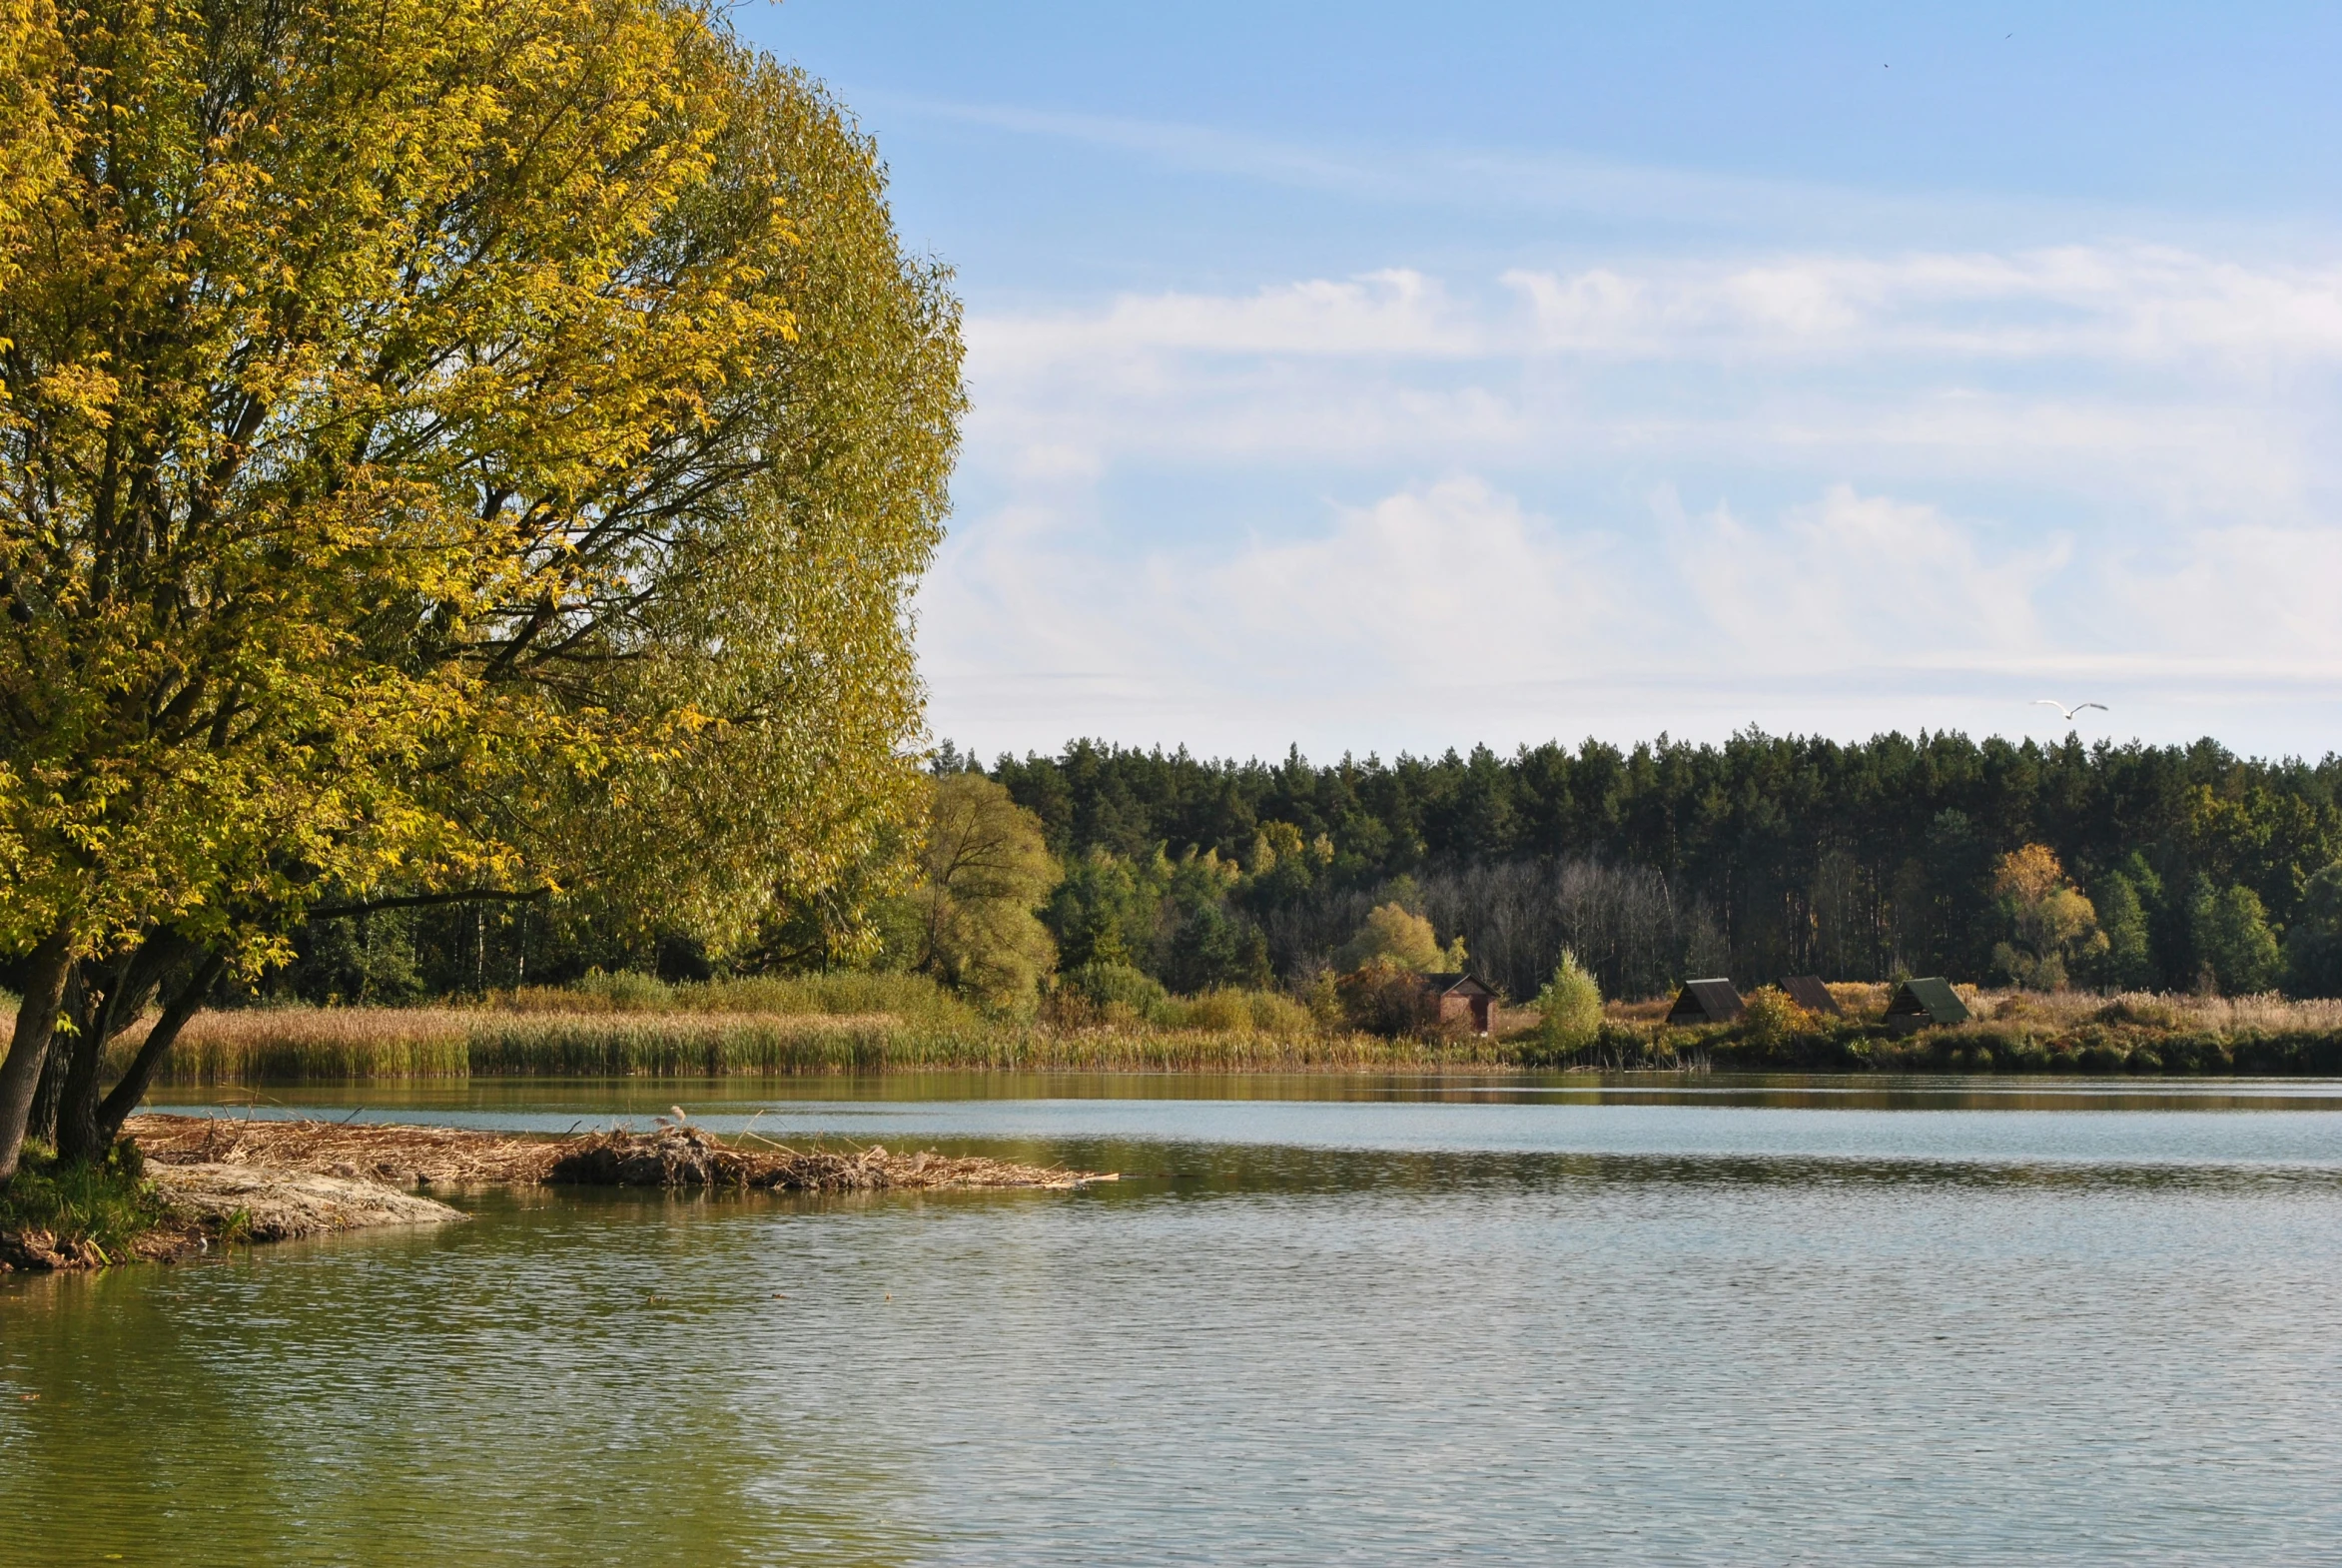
(423, 899)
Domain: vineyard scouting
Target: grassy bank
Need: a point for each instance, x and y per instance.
(2011, 1032)
(627, 1026)
(56, 1215)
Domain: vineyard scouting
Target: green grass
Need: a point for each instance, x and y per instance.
(109, 1206)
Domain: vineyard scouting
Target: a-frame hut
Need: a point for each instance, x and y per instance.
(1807, 992)
(1706, 1001)
(1918, 1003)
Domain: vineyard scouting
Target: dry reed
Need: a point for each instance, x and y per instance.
(329, 1044)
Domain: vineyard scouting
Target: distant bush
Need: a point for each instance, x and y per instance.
(1772, 1018)
(2143, 1011)
(1569, 1008)
(1239, 1012)
(1105, 991)
(1386, 997)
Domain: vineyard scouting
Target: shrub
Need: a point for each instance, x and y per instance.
(109, 1204)
(2143, 1011)
(1229, 1010)
(1386, 997)
(1570, 1006)
(1106, 986)
(1772, 1018)
(625, 992)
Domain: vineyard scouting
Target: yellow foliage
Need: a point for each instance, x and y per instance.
(488, 448)
(2052, 922)
(1773, 1016)
(1397, 934)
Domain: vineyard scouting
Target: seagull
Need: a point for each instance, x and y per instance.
(2066, 712)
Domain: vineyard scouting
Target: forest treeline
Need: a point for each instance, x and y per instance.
(1765, 856)
(2120, 867)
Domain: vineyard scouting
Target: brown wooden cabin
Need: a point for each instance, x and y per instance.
(1461, 999)
(1807, 992)
(1706, 1001)
(1918, 1003)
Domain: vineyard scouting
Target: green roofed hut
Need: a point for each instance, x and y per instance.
(1807, 992)
(1918, 1003)
(1706, 1001)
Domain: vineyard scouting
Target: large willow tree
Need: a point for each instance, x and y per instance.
(448, 449)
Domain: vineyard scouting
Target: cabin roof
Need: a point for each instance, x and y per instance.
(1931, 999)
(1713, 1000)
(1808, 992)
(1457, 983)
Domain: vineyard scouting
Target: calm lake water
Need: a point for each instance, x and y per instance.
(1317, 1320)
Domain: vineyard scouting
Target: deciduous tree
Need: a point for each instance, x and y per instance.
(449, 448)
(983, 872)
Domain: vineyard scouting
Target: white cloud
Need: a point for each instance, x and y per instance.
(1451, 612)
(1930, 488)
(1395, 312)
(2133, 305)
(1861, 580)
(1414, 593)
(2194, 386)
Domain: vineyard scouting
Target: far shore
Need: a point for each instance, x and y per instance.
(548, 1037)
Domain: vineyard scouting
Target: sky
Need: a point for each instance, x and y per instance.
(1373, 379)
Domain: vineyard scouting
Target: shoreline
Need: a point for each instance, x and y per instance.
(226, 1181)
(2011, 1033)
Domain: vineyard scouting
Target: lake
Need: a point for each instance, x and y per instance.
(1379, 1320)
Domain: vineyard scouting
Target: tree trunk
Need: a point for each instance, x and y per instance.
(36, 1023)
(127, 1093)
(41, 1126)
(131, 984)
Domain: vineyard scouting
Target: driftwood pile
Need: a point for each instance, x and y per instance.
(673, 1154)
(403, 1156)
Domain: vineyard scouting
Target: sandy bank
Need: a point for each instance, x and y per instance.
(250, 1204)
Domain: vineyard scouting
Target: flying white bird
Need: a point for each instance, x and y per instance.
(2066, 712)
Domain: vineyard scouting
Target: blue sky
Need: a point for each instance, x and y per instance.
(1377, 378)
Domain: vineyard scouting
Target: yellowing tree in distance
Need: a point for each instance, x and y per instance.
(1395, 935)
(2052, 920)
(456, 450)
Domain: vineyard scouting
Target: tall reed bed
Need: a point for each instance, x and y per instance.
(358, 1043)
(630, 1026)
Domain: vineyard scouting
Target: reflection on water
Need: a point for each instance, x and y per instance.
(1958, 1121)
(1816, 1091)
(1396, 1329)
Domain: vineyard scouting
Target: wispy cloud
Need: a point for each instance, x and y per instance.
(1487, 180)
